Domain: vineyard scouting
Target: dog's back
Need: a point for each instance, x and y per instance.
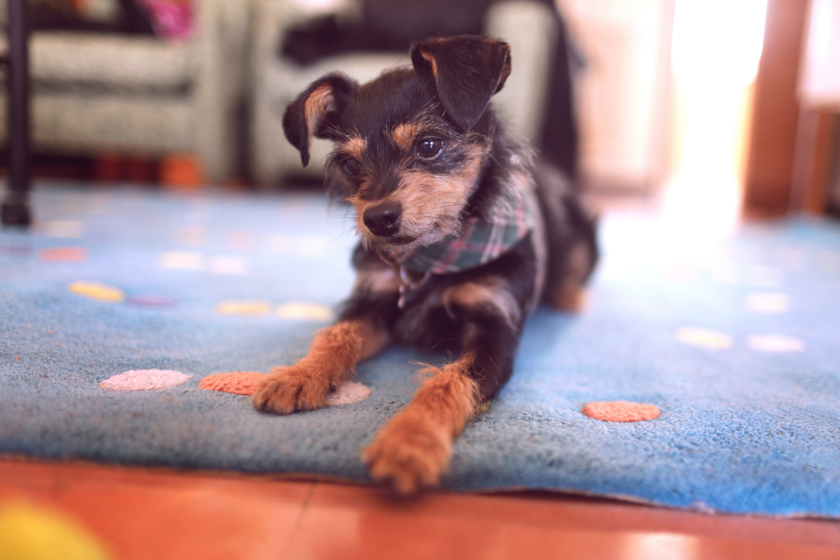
(571, 238)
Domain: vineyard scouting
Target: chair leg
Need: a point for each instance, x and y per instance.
(15, 207)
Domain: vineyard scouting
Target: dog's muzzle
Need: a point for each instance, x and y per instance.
(383, 219)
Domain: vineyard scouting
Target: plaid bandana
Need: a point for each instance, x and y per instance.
(481, 241)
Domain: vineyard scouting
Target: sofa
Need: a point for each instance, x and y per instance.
(133, 94)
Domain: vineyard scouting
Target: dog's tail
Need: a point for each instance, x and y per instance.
(571, 234)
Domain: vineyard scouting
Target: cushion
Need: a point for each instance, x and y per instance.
(106, 61)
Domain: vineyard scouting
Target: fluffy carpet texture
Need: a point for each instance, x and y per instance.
(119, 302)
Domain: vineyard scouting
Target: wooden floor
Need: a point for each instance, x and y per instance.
(163, 514)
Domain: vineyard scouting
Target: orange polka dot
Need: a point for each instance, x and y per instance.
(236, 382)
(621, 411)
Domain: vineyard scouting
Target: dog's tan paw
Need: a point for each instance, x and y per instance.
(289, 389)
(409, 454)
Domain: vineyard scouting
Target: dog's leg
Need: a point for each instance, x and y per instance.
(334, 352)
(413, 449)
(362, 330)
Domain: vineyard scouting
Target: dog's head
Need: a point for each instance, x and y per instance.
(411, 145)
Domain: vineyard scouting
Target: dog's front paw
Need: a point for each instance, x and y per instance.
(409, 453)
(288, 389)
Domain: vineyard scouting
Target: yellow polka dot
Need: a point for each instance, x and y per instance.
(305, 311)
(243, 307)
(96, 291)
(704, 337)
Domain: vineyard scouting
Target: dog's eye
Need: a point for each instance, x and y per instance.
(429, 148)
(351, 167)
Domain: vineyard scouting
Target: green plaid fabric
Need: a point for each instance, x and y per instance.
(512, 218)
(481, 241)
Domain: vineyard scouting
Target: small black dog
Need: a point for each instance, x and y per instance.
(461, 236)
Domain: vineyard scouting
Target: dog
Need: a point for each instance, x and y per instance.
(462, 231)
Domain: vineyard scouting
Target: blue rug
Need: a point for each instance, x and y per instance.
(736, 340)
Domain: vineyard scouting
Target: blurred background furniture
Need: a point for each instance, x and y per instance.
(15, 206)
(816, 170)
(112, 93)
(530, 27)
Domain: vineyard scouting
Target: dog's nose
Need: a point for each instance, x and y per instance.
(383, 219)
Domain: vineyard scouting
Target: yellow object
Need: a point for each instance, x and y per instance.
(29, 532)
(96, 291)
(243, 308)
(306, 311)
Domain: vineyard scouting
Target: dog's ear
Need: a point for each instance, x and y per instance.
(467, 70)
(316, 111)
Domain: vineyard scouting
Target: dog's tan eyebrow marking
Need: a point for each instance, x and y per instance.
(354, 147)
(404, 135)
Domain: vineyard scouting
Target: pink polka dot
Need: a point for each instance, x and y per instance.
(775, 343)
(621, 411)
(63, 254)
(144, 380)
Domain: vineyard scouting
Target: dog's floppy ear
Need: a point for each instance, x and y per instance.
(316, 110)
(467, 70)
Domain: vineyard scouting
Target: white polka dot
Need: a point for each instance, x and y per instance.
(349, 393)
(775, 343)
(767, 302)
(182, 260)
(305, 311)
(309, 246)
(229, 264)
(64, 229)
(144, 380)
(704, 337)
